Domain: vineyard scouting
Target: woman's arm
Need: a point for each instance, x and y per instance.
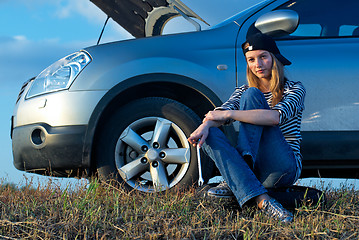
(217, 118)
(256, 116)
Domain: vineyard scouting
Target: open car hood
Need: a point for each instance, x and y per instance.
(143, 18)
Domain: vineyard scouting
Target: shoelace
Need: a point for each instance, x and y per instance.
(223, 185)
(274, 208)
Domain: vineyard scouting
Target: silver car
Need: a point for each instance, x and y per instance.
(123, 111)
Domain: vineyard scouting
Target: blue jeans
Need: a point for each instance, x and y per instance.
(262, 158)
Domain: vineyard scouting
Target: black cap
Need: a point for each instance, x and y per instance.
(260, 41)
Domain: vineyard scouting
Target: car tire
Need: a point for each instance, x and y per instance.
(144, 144)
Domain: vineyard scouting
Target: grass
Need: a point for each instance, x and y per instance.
(101, 211)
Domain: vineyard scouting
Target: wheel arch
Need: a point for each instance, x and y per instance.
(172, 86)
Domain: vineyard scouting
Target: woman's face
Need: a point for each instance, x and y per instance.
(260, 63)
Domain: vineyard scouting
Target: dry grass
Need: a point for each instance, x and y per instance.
(96, 211)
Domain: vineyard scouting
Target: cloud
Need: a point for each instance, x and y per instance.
(21, 59)
(64, 8)
(5, 39)
(93, 14)
(20, 38)
(83, 7)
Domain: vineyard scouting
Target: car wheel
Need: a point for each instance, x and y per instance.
(144, 144)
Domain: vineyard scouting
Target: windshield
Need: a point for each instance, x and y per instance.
(244, 13)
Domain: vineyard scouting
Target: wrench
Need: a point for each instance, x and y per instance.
(200, 178)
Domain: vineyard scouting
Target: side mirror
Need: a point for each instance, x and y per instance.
(278, 23)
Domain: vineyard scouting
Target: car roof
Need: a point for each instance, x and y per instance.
(143, 18)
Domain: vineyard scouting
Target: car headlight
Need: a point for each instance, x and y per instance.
(60, 75)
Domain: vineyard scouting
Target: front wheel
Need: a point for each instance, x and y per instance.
(144, 144)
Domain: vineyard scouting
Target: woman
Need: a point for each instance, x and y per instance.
(269, 110)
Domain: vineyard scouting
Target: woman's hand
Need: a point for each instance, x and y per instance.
(199, 135)
(221, 116)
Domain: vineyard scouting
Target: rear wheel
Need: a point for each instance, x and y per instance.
(145, 145)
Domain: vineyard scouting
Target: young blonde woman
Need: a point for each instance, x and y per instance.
(269, 110)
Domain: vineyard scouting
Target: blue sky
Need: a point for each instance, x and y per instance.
(36, 33)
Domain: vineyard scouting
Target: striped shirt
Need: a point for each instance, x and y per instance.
(290, 110)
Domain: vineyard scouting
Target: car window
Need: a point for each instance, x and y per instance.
(325, 19)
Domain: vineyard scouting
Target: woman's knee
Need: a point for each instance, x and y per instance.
(214, 133)
(216, 137)
(253, 98)
(252, 90)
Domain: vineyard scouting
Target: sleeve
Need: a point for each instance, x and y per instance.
(233, 102)
(292, 102)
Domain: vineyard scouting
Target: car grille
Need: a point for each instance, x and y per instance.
(23, 89)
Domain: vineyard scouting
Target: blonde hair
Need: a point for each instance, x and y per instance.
(277, 80)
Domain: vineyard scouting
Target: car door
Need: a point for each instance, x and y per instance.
(324, 51)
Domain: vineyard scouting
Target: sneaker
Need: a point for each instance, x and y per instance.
(222, 190)
(274, 209)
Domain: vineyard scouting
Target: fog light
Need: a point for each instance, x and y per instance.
(38, 137)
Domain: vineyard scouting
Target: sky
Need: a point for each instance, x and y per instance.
(36, 33)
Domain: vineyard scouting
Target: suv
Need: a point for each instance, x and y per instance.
(124, 110)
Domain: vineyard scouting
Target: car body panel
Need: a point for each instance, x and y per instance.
(172, 58)
(48, 153)
(334, 101)
(54, 109)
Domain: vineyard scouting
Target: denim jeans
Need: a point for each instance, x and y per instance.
(262, 158)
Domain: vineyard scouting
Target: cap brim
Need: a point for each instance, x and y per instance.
(282, 59)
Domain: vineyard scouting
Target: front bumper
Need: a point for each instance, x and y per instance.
(48, 131)
(40, 147)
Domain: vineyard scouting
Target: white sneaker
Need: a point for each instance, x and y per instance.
(222, 190)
